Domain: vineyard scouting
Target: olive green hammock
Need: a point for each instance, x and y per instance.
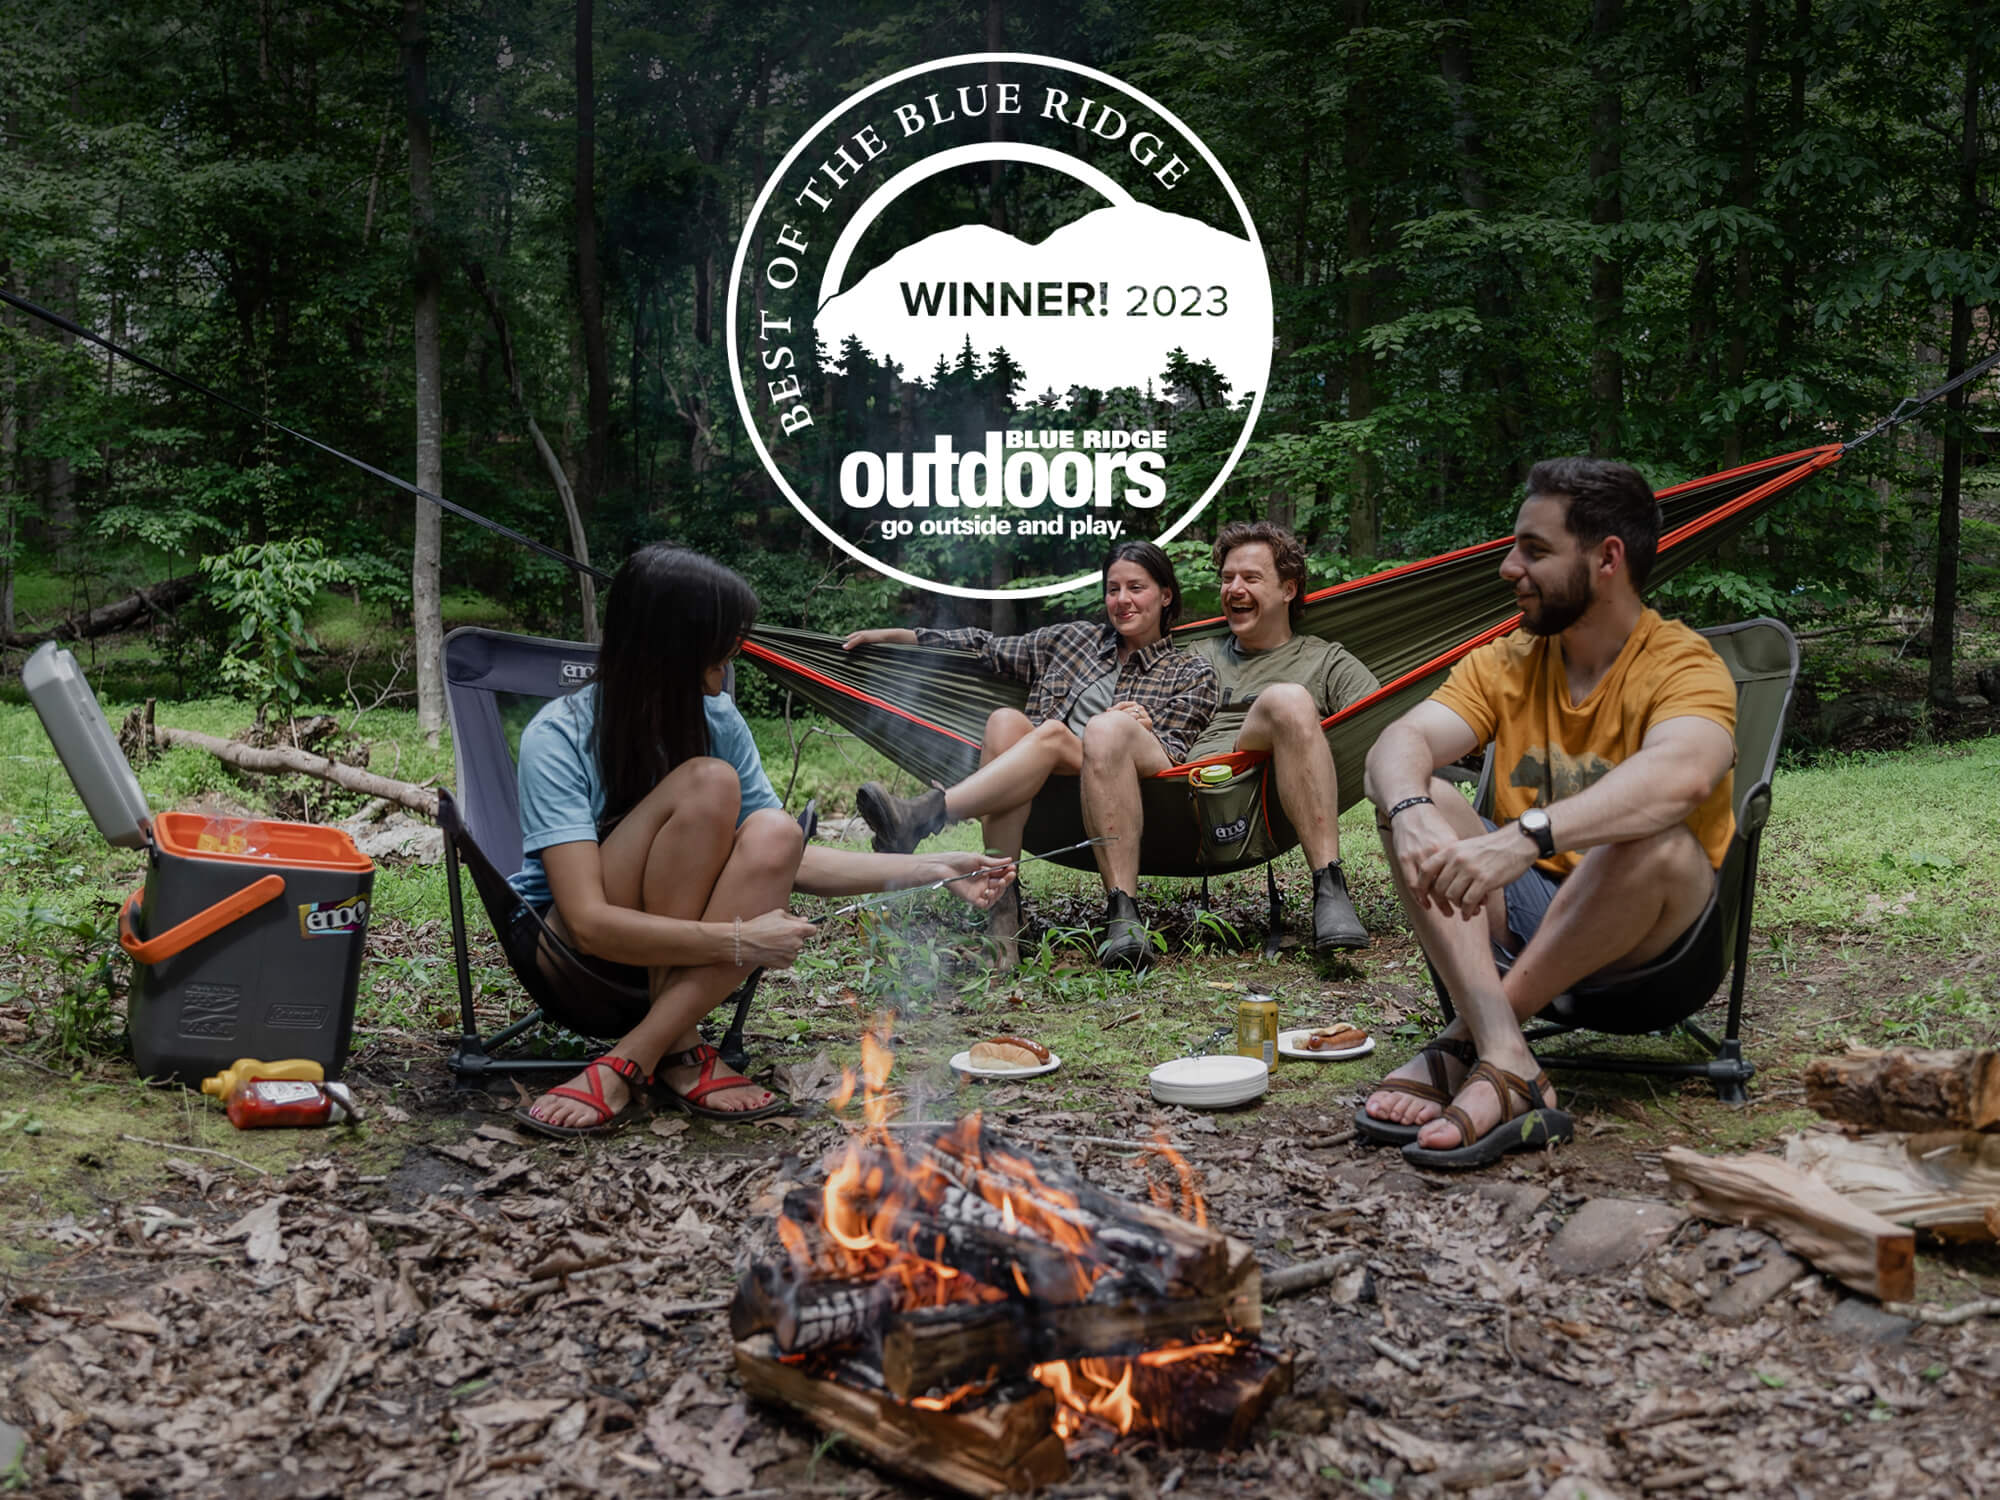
(925, 707)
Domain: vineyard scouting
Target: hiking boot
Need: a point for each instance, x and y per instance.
(1003, 926)
(900, 823)
(1334, 923)
(1126, 945)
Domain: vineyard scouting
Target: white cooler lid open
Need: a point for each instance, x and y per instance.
(76, 726)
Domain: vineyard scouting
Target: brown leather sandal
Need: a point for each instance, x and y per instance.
(1526, 1124)
(1437, 1091)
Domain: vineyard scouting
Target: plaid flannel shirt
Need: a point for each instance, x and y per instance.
(1058, 662)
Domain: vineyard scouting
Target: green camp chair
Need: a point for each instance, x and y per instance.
(1763, 657)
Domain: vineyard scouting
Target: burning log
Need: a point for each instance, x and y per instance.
(988, 1449)
(938, 1348)
(803, 1315)
(1203, 1396)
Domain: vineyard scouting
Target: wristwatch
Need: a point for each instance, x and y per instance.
(1535, 824)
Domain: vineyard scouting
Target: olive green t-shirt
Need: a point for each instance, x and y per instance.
(1330, 672)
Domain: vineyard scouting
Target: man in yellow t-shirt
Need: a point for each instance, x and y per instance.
(1614, 737)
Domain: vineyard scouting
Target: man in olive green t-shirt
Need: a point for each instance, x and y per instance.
(1277, 688)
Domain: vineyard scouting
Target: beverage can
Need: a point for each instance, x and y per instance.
(1257, 1029)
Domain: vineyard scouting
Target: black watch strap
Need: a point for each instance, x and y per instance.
(1544, 836)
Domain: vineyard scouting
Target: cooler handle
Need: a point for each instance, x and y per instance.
(238, 903)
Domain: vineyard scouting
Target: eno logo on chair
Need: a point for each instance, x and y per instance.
(1230, 833)
(333, 918)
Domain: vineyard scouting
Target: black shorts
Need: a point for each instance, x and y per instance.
(593, 996)
(1628, 1002)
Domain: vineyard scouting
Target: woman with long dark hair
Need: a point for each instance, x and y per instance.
(1123, 664)
(656, 848)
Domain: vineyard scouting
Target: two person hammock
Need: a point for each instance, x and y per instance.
(925, 707)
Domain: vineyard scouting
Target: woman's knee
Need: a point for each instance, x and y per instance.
(771, 839)
(706, 786)
(1112, 732)
(1005, 726)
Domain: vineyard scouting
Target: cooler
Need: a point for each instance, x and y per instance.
(246, 938)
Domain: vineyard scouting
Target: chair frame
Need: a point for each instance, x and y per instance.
(1724, 1064)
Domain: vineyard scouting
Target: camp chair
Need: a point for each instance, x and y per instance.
(494, 684)
(1763, 657)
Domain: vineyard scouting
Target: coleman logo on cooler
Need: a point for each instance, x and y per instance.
(991, 314)
(333, 918)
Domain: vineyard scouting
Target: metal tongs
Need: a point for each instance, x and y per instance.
(888, 897)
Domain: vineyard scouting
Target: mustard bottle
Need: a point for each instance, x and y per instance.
(227, 1082)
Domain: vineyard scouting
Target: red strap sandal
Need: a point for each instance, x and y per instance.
(608, 1120)
(706, 1057)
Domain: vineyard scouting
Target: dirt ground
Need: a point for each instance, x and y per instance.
(438, 1307)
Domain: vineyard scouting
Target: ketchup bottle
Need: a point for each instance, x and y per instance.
(257, 1094)
(287, 1101)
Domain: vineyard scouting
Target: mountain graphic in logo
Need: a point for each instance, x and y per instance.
(1101, 303)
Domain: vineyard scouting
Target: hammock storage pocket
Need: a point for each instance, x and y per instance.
(1237, 822)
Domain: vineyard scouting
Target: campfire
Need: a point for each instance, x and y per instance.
(963, 1308)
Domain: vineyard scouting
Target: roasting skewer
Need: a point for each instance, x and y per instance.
(1020, 859)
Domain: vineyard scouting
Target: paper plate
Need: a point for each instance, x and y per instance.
(1213, 1082)
(962, 1062)
(1290, 1045)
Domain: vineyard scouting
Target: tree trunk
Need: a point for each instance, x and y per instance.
(1944, 597)
(1746, 199)
(1364, 517)
(1505, 370)
(579, 542)
(1607, 207)
(589, 277)
(427, 283)
(9, 445)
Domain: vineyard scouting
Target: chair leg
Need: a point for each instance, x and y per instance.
(1275, 933)
(732, 1049)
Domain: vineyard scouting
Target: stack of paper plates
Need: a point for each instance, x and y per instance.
(1210, 1082)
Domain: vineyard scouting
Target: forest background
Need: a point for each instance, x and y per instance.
(1681, 233)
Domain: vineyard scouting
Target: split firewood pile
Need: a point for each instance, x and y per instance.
(497, 1320)
(1918, 1152)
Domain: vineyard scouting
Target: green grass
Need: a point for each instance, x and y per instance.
(1905, 845)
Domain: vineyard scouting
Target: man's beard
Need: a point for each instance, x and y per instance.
(1563, 609)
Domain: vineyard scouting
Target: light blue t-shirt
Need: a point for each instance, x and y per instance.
(562, 794)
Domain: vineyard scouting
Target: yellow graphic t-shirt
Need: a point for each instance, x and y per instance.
(1514, 693)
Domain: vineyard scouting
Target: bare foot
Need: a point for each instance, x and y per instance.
(1437, 1066)
(749, 1096)
(1482, 1103)
(556, 1109)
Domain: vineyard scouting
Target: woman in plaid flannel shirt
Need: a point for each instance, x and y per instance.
(1124, 664)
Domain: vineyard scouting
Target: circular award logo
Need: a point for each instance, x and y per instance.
(993, 314)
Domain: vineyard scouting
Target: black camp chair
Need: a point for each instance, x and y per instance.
(1763, 657)
(494, 683)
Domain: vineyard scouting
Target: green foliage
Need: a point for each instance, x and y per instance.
(265, 590)
(77, 1014)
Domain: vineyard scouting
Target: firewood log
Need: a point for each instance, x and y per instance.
(1809, 1218)
(1945, 1182)
(1908, 1088)
(990, 1449)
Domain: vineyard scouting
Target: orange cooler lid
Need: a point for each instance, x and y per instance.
(258, 841)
